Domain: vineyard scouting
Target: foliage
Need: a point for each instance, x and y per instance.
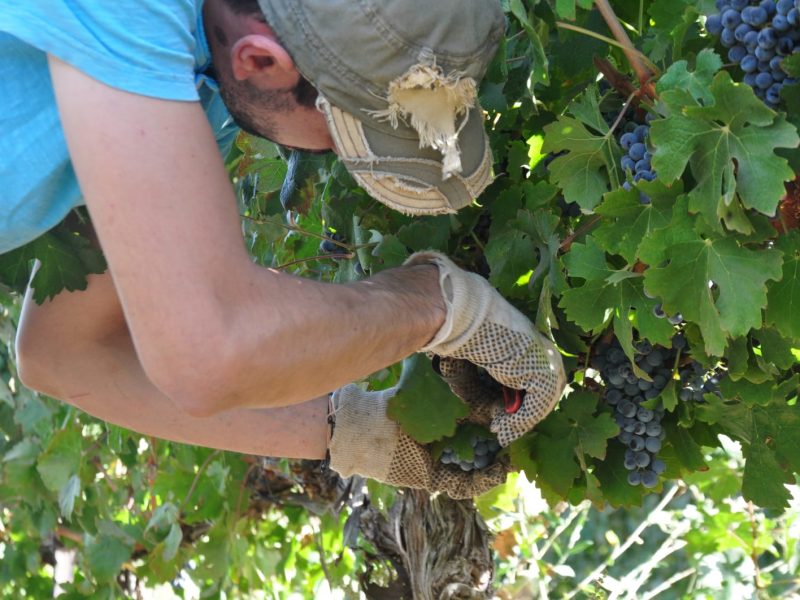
(584, 258)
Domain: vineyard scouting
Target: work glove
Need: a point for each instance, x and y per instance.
(365, 441)
(484, 329)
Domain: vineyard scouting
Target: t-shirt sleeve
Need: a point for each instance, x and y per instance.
(140, 46)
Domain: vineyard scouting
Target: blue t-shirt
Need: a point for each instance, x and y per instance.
(148, 47)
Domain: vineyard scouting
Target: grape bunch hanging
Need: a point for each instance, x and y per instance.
(484, 450)
(636, 160)
(759, 35)
(630, 396)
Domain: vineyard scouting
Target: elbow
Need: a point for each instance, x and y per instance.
(35, 365)
(200, 379)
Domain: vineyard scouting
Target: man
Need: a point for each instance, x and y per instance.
(184, 337)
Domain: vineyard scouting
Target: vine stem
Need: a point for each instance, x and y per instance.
(607, 40)
(580, 231)
(753, 554)
(643, 68)
(200, 471)
(313, 258)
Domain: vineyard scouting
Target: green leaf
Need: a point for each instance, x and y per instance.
(539, 71)
(791, 64)
(593, 432)
(696, 83)
(163, 517)
(510, 255)
(270, 174)
(61, 459)
(66, 260)
(426, 233)
(783, 308)
(598, 300)
(687, 450)
(521, 452)
(172, 542)
(732, 305)
(613, 478)
(771, 438)
(764, 481)
(390, 252)
(775, 349)
(67, 496)
(730, 146)
(566, 8)
(105, 555)
(628, 222)
(583, 172)
(566, 440)
(424, 406)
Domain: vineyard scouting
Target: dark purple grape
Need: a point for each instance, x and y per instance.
(652, 444)
(648, 478)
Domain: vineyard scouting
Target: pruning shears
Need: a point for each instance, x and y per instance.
(512, 399)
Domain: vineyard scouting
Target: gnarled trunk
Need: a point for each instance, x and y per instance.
(439, 547)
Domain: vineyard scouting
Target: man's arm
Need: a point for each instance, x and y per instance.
(212, 330)
(76, 347)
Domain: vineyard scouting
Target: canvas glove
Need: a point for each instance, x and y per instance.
(484, 329)
(365, 441)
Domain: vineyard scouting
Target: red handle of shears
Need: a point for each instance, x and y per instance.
(512, 399)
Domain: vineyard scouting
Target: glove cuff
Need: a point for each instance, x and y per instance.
(364, 439)
(467, 298)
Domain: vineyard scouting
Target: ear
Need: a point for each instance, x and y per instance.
(262, 60)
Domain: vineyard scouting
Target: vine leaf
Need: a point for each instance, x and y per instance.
(566, 440)
(715, 283)
(66, 260)
(582, 173)
(606, 295)
(424, 406)
(783, 310)
(771, 438)
(106, 554)
(791, 64)
(60, 460)
(539, 72)
(566, 9)
(730, 147)
(628, 222)
(697, 83)
(613, 479)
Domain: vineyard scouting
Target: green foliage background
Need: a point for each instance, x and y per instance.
(152, 510)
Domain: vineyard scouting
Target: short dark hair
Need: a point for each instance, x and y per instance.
(244, 7)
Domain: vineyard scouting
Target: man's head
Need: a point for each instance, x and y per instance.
(395, 84)
(258, 80)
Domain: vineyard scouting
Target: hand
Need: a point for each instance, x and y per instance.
(366, 442)
(484, 329)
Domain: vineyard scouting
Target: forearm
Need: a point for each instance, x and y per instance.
(106, 381)
(91, 363)
(327, 335)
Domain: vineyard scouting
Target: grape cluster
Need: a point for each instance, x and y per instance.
(637, 157)
(758, 35)
(327, 246)
(696, 382)
(484, 448)
(640, 427)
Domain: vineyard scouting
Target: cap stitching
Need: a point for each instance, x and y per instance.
(495, 34)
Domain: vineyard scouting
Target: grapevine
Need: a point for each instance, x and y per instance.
(644, 212)
(759, 35)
